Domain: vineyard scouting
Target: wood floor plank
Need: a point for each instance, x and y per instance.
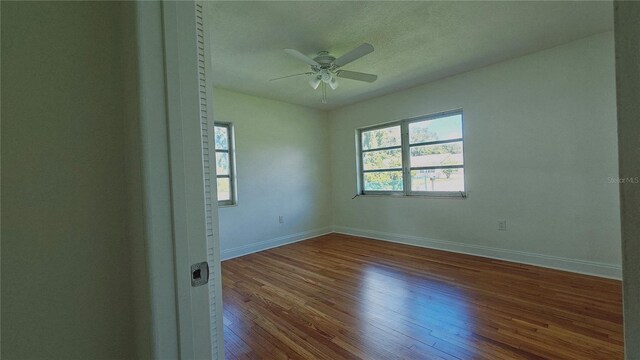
(343, 297)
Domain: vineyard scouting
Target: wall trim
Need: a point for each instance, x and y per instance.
(272, 243)
(553, 262)
(547, 261)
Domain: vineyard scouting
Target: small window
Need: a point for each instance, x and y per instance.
(421, 156)
(225, 164)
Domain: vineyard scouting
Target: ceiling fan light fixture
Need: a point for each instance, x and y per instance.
(325, 75)
(315, 82)
(333, 83)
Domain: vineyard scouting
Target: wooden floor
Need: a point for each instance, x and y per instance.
(341, 297)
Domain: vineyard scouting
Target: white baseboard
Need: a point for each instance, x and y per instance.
(553, 262)
(271, 243)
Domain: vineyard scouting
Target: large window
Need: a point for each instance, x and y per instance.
(225, 163)
(420, 156)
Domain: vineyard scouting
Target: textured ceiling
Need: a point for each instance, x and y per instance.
(415, 42)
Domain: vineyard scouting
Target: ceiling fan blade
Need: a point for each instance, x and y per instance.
(288, 76)
(353, 55)
(298, 55)
(354, 75)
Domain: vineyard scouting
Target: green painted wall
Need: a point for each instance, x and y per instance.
(627, 32)
(66, 289)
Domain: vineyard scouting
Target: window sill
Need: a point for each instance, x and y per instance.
(442, 195)
(227, 205)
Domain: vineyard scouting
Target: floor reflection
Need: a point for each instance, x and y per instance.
(397, 304)
(340, 297)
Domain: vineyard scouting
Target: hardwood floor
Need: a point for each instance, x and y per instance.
(342, 297)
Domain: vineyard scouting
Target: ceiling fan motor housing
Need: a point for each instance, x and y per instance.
(324, 59)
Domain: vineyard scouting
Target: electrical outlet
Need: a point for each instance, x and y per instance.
(502, 225)
(281, 219)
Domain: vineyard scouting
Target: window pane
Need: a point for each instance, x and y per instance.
(378, 138)
(437, 180)
(222, 163)
(383, 181)
(224, 189)
(222, 138)
(383, 159)
(445, 128)
(437, 155)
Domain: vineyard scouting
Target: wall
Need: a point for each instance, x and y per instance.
(282, 169)
(540, 143)
(135, 222)
(627, 33)
(66, 292)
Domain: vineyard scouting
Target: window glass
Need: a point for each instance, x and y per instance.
(222, 138)
(224, 189)
(379, 138)
(445, 128)
(437, 180)
(383, 181)
(437, 155)
(225, 175)
(383, 159)
(222, 163)
(431, 152)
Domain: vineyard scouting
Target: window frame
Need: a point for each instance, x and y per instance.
(405, 146)
(361, 152)
(233, 198)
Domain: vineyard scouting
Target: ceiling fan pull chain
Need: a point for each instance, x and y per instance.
(324, 93)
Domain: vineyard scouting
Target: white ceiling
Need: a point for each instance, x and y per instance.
(415, 41)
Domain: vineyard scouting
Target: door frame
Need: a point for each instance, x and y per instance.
(170, 144)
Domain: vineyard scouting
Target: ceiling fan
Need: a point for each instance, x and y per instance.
(325, 68)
